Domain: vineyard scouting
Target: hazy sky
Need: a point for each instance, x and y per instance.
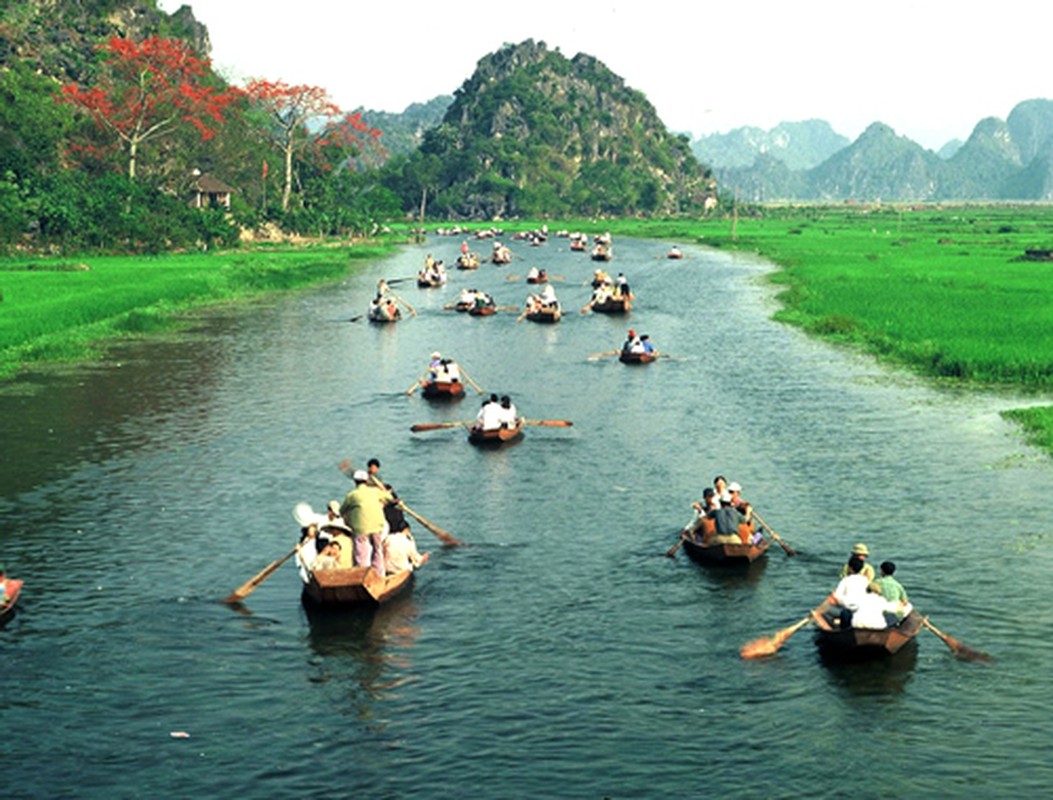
(931, 70)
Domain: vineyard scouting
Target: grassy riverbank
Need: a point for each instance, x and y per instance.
(57, 309)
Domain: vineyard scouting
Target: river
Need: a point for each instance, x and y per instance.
(559, 653)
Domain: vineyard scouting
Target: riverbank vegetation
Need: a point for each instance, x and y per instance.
(57, 309)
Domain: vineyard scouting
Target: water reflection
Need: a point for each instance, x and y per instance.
(366, 652)
(885, 676)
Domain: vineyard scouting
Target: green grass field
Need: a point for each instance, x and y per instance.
(55, 310)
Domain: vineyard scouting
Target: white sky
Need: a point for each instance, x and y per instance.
(931, 70)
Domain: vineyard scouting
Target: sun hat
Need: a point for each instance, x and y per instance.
(336, 523)
(334, 506)
(436, 354)
(860, 549)
(734, 487)
(360, 476)
(304, 514)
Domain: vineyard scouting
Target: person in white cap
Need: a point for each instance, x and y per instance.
(435, 364)
(738, 502)
(363, 510)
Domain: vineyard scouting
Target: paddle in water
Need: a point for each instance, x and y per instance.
(960, 650)
(769, 645)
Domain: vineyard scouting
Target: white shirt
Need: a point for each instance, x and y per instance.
(851, 591)
(400, 553)
(871, 612)
(490, 416)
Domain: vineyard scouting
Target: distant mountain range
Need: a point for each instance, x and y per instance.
(1008, 159)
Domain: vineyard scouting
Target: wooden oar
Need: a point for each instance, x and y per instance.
(401, 280)
(506, 308)
(416, 384)
(768, 645)
(444, 536)
(671, 552)
(522, 316)
(407, 305)
(250, 585)
(585, 309)
(357, 317)
(960, 650)
(789, 550)
(549, 423)
(683, 536)
(512, 277)
(472, 383)
(435, 426)
(607, 354)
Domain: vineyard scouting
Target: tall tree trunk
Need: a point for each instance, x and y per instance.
(287, 188)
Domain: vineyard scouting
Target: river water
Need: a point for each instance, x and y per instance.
(560, 654)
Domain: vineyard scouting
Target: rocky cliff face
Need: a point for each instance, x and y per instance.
(1002, 160)
(59, 37)
(532, 129)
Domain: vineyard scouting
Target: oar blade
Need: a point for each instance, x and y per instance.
(759, 648)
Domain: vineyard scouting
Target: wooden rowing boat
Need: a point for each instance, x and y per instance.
(613, 305)
(495, 437)
(353, 586)
(13, 589)
(578, 245)
(545, 314)
(442, 390)
(724, 555)
(468, 261)
(483, 309)
(541, 277)
(636, 358)
(384, 312)
(431, 281)
(859, 644)
(601, 253)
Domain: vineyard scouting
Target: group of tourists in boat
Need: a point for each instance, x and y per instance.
(498, 420)
(637, 348)
(543, 306)
(361, 548)
(609, 295)
(535, 275)
(864, 598)
(501, 254)
(384, 307)
(432, 275)
(475, 302)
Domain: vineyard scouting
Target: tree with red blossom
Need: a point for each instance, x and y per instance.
(150, 89)
(288, 111)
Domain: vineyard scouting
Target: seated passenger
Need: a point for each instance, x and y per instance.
(401, 554)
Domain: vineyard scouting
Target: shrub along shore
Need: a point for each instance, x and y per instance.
(957, 293)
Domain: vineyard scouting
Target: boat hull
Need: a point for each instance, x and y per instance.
(725, 555)
(545, 316)
(637, 358)
(354, 587)
(442, 390)
(495, 437)
(612, 306)
(857, 644)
